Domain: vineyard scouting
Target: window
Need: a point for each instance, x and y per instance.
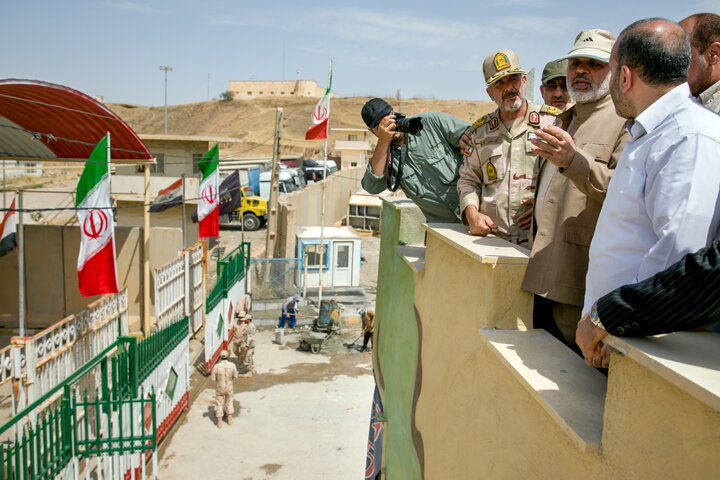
(249, 93)
(171, 383)
(195, 159)
(353, 164)
(159, 166)
(312, 254)
(343, 256)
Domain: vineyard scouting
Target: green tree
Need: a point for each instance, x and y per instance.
(226, 96)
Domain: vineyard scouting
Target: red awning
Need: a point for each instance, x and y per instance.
(41, 121)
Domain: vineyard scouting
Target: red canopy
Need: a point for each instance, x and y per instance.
(41, 121)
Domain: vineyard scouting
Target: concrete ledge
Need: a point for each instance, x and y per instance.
(688, 360)
(572, 393)
(489, 249)
(413, 256)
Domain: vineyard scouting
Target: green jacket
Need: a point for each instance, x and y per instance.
(431, 170)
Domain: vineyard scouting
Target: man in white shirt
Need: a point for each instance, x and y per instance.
(662, 201)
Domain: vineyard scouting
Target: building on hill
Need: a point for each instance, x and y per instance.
(249, 89)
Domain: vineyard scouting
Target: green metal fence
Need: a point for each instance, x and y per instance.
(230, 269)
(79, 425)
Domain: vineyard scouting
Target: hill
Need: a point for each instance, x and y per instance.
(254, 120)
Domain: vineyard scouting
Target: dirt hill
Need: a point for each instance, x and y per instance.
(254, 120)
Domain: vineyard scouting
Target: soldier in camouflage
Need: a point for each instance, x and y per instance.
(223, 374)
(248, 346)
(497, 177)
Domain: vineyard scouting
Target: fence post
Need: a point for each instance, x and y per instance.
(188, 283)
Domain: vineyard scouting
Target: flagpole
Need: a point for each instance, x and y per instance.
(21, 264)
(323, 253)
(182, 199)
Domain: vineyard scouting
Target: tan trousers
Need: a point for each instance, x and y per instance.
(223, 402)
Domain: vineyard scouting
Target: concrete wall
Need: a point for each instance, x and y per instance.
(303, 207)
(244, 90)
(178, 156)
(170, 218)
(470, 390)
(51, 272)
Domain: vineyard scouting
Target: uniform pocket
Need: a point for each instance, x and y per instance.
(444, 162)
(579, 235)
(600, 152)
(493, 164)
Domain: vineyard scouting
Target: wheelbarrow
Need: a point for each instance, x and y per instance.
(312, 341)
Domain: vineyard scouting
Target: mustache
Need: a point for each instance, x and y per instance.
(510, 94)
(582, 76)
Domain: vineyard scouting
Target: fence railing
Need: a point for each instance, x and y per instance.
(180, 288)
(230, 269)
(44, 360)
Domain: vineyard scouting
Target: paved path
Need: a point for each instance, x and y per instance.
(302, 415)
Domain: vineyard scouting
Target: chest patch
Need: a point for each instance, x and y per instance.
(494, 123)
(491, 172)
(534, 118)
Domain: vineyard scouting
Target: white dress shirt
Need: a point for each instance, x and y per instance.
(662, 202)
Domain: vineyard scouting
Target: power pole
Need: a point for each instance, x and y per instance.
(274, 193)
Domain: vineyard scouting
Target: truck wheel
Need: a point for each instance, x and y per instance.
(251, 222)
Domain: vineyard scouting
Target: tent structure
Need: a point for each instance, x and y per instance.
(42, 121)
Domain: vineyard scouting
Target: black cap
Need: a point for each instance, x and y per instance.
(374, 110)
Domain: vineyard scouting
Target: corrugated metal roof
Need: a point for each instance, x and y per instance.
(52, 122)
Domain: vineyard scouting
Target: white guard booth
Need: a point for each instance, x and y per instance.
(342, 263)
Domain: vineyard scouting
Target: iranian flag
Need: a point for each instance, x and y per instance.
(8, 241)
(320, 116)
(97, 273)
(208, 198)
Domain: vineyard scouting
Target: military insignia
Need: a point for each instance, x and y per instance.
(478, 123)
(468, 150)
(551, 109)
(494, 123)
(501, 61)
(534, 118)
(491, 172)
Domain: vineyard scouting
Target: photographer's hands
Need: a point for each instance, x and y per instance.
(385, 131)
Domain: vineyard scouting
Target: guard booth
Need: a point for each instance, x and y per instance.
(341, 262)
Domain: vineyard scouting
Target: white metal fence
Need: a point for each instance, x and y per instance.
(180, 289)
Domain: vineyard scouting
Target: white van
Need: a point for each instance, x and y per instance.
(285, 185)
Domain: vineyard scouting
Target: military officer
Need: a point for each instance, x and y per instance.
(497, 177)
(223, 374)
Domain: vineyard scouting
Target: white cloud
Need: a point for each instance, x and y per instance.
(130, 7)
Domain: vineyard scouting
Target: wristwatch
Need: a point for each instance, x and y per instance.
(594, 318)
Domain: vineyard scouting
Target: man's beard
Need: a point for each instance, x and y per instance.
(596, 92)
(519, 100)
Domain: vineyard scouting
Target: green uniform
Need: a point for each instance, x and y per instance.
(431, 169)
(499, 172)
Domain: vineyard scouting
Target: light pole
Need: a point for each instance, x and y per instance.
(165, 69)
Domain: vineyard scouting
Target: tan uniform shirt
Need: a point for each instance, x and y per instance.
(711, 97)
(566, 223)
(223, 373)
(499, 173)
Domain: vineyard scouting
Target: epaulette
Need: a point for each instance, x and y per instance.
(479, 122)
(550, 109)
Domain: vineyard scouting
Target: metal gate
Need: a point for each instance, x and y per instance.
(180, 288)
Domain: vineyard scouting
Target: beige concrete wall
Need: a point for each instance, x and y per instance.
(244, 90)
(303, 207)
(494, 400)
(51, 272)
(170, 218)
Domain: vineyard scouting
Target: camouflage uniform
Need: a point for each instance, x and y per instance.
(223, 374)
(237, 340)
(499, 169)
(248, 340)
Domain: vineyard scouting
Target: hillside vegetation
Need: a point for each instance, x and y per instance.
(253, 121)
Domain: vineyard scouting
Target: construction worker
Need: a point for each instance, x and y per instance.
(368, 322)
(289, 309)
(223, 374)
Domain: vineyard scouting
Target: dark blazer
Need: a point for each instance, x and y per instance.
(683, 297)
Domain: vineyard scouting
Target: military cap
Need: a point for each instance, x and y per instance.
(499, 64)
(224, 354)
(595, 44)
(554, 69)
(372, 112)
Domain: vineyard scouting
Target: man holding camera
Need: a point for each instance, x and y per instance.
(497, 178)
(419, 154)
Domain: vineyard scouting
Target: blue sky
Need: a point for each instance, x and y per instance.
(424, 49)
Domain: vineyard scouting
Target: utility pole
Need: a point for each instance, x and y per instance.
(272, 214)
(21, 264)
(165, 69)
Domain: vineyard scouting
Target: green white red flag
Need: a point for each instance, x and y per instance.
(208, 198)
(97, 272)
(320, 117)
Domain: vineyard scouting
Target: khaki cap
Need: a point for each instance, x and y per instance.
(554, 69)
(499, 64)
(595, 44)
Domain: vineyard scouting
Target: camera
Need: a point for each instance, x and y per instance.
(410, 125)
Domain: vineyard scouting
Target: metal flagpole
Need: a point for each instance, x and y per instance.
(21, 264)
(182, 199)
(323, 253)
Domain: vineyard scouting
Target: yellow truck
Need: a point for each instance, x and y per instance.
(253, 211)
